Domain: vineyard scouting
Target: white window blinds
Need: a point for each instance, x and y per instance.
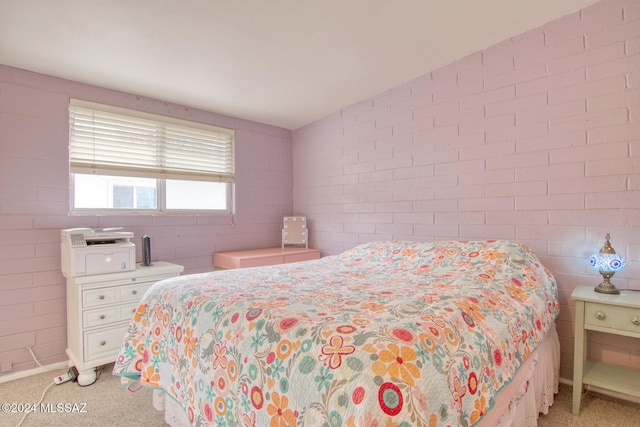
(111, 141)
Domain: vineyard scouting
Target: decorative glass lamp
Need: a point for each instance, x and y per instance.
(607, 262)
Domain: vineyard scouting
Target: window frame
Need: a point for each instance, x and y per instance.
(161, 187)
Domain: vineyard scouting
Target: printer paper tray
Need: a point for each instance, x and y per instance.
(101, 263)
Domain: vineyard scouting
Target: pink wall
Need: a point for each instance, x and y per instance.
(535, 139)
(34, 200)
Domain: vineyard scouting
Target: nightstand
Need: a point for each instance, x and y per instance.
(262, 257)
(611, 314)
(99, 310)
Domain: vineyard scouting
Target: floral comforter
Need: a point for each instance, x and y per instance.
(385, 334)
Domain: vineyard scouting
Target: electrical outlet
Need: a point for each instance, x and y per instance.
(6, 366)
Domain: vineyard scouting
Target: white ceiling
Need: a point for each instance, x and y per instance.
(280, 62)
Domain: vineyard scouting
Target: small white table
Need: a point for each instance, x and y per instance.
(611, 314)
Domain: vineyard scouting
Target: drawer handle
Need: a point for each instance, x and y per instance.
(103, 343)
(600, 315)
(635, 320)
(134, 292)
(101, 297)
(102, 316)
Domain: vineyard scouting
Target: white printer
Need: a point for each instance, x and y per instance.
(89, 251)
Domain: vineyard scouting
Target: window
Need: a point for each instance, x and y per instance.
(128, 161)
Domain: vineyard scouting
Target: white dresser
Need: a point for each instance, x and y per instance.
(99, 310)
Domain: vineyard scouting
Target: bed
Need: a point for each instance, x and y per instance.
(384, 334)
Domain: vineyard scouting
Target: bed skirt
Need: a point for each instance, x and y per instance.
(518, 404)
(533, 389)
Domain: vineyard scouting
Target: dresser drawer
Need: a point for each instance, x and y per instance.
(103, 342)
(107, 315)
(263, 257)
(134, 292)
(114, 294)
(307, 256)
(261, 261)
(610, 316)
(127, 311)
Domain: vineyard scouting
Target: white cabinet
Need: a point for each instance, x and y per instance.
(99, 310)
(611, 314)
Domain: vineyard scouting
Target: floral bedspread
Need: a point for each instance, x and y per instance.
(385, 334)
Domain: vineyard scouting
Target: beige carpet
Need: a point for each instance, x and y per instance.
(109, 405)
(106, 403)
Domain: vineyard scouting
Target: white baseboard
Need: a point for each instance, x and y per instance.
(35, 371)
(606, 392)
(566, 381)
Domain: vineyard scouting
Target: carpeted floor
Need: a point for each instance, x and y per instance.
(596, 410)
(105, 404)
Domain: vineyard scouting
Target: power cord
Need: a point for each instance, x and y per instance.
(24, 417)
(35, 359)
(71, 374)
(99, 370)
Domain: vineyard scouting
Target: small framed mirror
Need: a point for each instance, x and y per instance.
(294, 231)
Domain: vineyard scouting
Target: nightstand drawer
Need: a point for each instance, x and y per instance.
(98, 297)
(134, 292)
(105, 316)
(100, 316)
(104, 342)
(614, 317)
(115, 294)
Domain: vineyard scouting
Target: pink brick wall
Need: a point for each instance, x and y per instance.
(535, 139)
(34, 200)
